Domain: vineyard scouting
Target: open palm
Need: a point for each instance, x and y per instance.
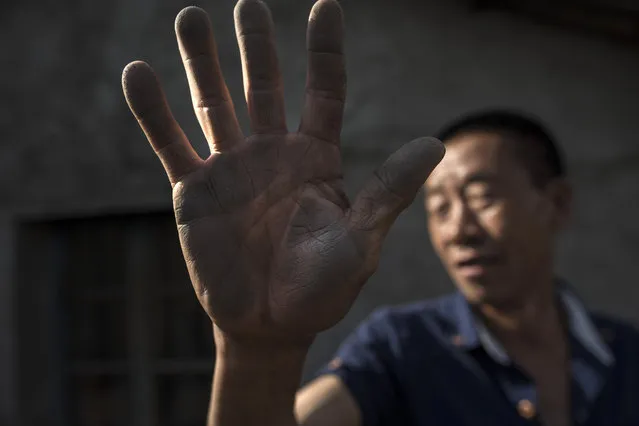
(273, 246)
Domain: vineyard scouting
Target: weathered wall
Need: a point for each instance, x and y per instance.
(69, 143)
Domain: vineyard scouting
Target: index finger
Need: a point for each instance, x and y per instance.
(326, 76)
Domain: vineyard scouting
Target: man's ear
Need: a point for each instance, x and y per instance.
(560, 194)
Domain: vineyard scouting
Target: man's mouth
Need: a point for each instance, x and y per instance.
(476, 266)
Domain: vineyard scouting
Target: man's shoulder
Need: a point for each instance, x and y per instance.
(436, 315)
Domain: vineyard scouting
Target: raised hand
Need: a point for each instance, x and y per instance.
(273, 246)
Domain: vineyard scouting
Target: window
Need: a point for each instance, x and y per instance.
(110, 330)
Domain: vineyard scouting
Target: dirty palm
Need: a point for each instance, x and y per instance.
(274, 248)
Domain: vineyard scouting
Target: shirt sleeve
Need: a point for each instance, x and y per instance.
(365, 363)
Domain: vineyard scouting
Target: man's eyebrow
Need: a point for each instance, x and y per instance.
(481, 177)
(477, 177)
(433, 190)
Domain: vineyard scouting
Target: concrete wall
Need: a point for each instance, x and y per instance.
(70, 145)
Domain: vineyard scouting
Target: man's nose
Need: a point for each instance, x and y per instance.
(463, 227)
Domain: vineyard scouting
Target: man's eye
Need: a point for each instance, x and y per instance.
(481, 201)
(438, 209)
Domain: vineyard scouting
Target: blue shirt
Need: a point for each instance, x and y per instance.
(433, 363)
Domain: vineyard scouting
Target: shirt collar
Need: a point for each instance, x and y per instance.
(472, 333)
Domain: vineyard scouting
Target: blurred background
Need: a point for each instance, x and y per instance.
(98, 323)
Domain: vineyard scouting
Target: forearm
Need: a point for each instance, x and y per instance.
(255, 385)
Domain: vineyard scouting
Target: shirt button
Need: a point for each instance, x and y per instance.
(526, 409)
(457, 340)
(335, 363)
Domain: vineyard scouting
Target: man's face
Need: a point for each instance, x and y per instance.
(491, 227)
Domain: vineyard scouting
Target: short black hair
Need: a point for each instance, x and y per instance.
(540, 154)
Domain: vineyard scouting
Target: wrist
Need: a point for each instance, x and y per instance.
(255, 381)
(259, 353)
